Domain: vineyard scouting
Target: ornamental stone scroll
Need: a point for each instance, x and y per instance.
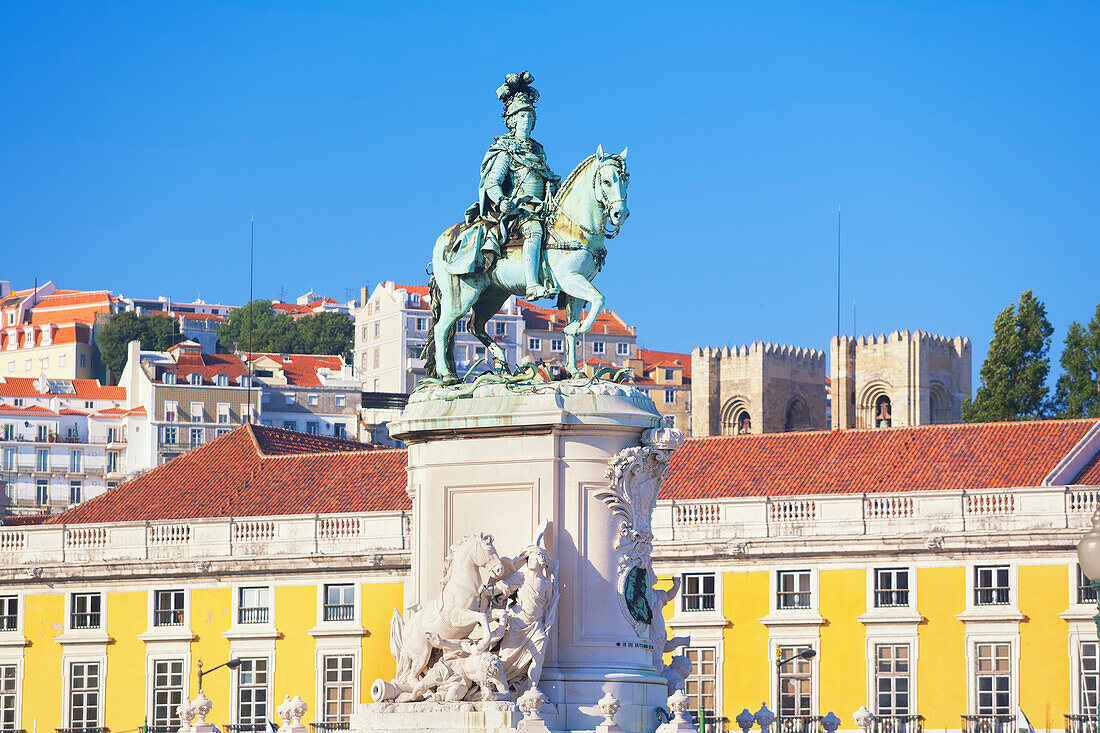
(634, 479)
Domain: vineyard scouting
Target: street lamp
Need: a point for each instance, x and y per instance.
(1088, 555)
(806, 654)
(232, 664)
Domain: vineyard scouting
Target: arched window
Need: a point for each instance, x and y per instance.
(939, 403)
(883, 415)
(797, 416)
(736, 419)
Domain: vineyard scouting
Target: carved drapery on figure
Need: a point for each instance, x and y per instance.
(485, 637)
(635, 476)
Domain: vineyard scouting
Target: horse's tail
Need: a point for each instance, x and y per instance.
(397, 626)
(435, 296)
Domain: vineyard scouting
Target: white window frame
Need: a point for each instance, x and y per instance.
(67, 700)
(599, 347)
(670, 397)
(892, 625)
(622, 348)
(150, 671)
(557, 344)
(17, 663)
(235, 686)
(534, 343)
(341, 400)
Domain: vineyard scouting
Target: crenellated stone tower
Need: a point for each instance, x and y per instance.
(900, 379)
(759, 388)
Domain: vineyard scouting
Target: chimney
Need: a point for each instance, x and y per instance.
(5, 288)
(364, 295)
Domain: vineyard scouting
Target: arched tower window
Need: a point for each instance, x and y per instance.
(883, 415)
(939, 403)
(736, 419)
(797, 416)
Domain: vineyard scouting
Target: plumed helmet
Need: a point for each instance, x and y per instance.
(517, 93)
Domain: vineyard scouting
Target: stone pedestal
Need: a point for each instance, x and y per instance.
(506, 460)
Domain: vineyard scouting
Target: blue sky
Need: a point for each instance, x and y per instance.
(959, 140)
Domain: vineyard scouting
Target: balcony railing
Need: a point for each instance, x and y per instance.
(1082, 723)
(798, 723)
(168, 617)
(81, 730)
(327, 727)
(991, 596)
(339, 612)
(246, 728)
(252, 615)
(793, 599)
(8, 623)
(898, 724)
(84, 620)
(158, 728)
(989, 723)
(891, 598)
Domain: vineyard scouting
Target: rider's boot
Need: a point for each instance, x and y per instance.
(531, 247)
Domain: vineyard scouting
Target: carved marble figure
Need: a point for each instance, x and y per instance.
(529, 611)
(460, 673)
(487, 633)
(526, 236)
(676, 673)
(658, 632)
(453, 616)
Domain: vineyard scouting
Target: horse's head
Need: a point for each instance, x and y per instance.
(486, 555)
(610, 182)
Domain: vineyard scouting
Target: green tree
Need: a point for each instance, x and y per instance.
(1013, 377)
(1077, 393)
(268, 331)
(155, 331)
(326, 333)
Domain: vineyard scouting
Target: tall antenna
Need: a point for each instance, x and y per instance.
(838, 272)
(251, 306)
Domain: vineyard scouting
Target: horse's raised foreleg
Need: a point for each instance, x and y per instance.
(485, 308)
(462, 618)
(578, 286)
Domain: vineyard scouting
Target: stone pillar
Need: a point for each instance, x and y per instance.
(509, 460)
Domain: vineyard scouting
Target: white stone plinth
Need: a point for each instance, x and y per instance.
(451, 717)
(504, 461)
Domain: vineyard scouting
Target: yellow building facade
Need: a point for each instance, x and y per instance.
(932, 571)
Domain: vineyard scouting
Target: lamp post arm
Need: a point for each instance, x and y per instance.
(204, 672)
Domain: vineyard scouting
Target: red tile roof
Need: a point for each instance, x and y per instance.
(1090, 474)
(208, 366)
(666, 360)
(607, 322)
(85, 389)
(301, 369)
(931, 457)
(257, 471)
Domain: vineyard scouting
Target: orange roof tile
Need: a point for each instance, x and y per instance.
(85, 389)
(535, 316)
(208, 366)
(1090, 474)
(666, 359)
(301, 369)
(257, 471)
(931, 457)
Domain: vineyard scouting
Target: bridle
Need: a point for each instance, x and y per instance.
(617, 163)
(601, 201)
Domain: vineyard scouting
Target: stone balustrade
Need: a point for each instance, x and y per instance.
(921, 513)
(205, 539)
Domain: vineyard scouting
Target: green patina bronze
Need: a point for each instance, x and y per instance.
(636, 591)
(529, 234)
